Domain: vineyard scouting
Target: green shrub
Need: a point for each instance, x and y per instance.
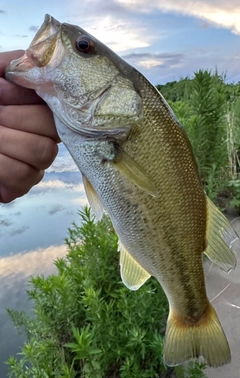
(87, 323)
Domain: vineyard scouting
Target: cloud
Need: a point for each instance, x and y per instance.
(19, 230)
(222, 13)
(58, 184)
(149, 61)
(21, 35)
(17, 213)
(5, 223)
(80, 201)
(63, 164)
(206, 24)
(55, 209)
(9, 204)
(2, 11)
(33, 262)
(112, 23)
(120, 35)
(33, 28)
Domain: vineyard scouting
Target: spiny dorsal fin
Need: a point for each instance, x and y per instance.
(220, 237)
(133, 275)
(134, 172)
(93, 199)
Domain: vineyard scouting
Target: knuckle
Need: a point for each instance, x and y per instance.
(3, 115)
(16, 178)
(26, 179)
(21, 183)
(2, 91)
(47, 153)
(3, 138)
(39, 177)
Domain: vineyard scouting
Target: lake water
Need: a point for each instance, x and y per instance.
(32, 232)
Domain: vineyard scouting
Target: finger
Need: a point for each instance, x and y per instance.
(7, 57)
(37, 119)
(12, 94)
(19, 177)
(37, 151)
(9, 92)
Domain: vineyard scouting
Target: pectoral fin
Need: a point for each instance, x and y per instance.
(133, 275)
(220, 237)
(93, 199)
(134, 172)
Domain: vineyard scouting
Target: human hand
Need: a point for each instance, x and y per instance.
(28, 137)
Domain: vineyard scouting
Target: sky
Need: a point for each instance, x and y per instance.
(164, 39)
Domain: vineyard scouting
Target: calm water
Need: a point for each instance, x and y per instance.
(32, 232)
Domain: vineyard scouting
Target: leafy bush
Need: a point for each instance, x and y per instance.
(204, 116)
(87, 323)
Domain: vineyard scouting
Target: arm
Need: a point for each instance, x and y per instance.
(28, 137)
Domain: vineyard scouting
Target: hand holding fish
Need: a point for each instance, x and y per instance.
(28, 137)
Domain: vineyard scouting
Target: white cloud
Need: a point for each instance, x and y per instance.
(33, 262)
(80, 201)
(223, 13)
(58, 184)
(118, 34)
(111, 23)
(150, 63)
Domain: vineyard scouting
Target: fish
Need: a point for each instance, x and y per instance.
(138, 166)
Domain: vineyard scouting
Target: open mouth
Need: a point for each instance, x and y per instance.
(39, 52)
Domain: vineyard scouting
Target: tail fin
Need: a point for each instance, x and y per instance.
(204, 340)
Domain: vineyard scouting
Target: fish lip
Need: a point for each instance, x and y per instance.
(19, 65)
(38, 54)
(16, 69)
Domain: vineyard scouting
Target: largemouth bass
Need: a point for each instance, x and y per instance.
(137, 164)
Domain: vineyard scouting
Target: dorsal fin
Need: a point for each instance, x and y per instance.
(133, 275)
(220, 237)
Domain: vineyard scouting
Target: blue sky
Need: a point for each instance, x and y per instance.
(164, 39)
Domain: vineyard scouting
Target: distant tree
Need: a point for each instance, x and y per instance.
(176, 90)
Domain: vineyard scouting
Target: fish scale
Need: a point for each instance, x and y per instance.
(137, 164)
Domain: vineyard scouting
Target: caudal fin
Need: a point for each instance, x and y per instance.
(205, 340)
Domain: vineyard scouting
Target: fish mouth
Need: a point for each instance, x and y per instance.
(39, 53)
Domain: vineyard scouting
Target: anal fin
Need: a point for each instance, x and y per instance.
(220, 237)
(93, 199)
(133, 275)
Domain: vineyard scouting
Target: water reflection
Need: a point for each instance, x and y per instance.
(42, 217)
(14, 275)
(32, 232)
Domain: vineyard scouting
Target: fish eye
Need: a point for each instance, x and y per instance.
(85, 45)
